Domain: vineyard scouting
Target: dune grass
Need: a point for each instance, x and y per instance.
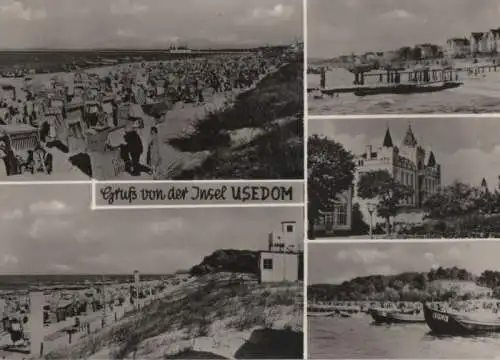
(220, 298)
(277, 153)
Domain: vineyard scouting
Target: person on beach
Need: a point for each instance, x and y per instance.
(134, 150)
(154, 156)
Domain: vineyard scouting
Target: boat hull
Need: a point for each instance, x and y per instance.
(398, 318)
(379, 316)
(394, 317)
(441, 322)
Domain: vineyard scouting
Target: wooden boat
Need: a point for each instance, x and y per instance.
(380, 316)
(394, 316)
(407, 318)
(343, 314)
(448, 323)
(405, 89)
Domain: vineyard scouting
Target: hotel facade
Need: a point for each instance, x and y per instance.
(409, 163)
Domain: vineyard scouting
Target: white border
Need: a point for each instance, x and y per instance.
(194, 206)
(93, 198)
(305, 269)
(220, 181)
(405, 116)
(400, 241)
(55, 182)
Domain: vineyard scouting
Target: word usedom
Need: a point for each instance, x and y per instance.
(441, 317)
(131, 194)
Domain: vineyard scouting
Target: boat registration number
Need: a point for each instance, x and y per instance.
(441, 317)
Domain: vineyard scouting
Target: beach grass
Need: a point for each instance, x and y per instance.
(201, 309)
(276, 152)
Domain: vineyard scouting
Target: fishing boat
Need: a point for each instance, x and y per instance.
(448, 322)
(380, 316)
(405, 89)
(394, 316)
(415, 317)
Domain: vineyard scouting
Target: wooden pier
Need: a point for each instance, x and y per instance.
(404, 81)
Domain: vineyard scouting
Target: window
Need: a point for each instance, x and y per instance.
(268, 264)
(340, 212)
(289, 228)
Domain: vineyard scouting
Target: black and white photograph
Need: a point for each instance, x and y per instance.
(403, 57)
(151, 89)
(400, 178)
(404, 301)
(147, 284)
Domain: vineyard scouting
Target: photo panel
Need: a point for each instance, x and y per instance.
(403, 57)
(127, 90)
(176, 283)
(401, 178)
(403, 301)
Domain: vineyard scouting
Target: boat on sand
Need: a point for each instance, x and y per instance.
(448, 322)
(395, 316)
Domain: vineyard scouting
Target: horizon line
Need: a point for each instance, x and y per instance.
(235, 47)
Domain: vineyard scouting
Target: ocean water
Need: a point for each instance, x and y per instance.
(476, 95)
(349, 338)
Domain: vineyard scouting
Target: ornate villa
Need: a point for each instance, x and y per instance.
(408, 163)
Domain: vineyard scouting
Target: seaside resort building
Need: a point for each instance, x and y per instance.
(283, 261)
(409, 163)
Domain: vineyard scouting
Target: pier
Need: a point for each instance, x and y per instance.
(404, 81)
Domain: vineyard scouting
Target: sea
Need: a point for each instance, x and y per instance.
(476, 95)
(21, 282)
(358, 337)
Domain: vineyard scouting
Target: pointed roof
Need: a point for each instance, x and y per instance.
(409, 139)
(432, 159)
(388, 139)
(484, 184)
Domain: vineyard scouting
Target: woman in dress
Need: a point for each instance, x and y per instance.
(154, 155)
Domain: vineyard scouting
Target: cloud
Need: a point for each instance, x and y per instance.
(341, 262)
(162, 227)
(45, 228)
(127, 7)
(277, 11)
(13, 215)
(98, 259)
(362, 256)
(8, 259)
(53, 207)
(61, 267)
(17, 10)
(398, 14)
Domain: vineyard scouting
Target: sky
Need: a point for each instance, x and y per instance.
(341, 27)
(50, 229)
(147, 23)
(467, 149)
(335, 263)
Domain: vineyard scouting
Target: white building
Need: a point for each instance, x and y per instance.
(408, 163)
(458, 47)
(283, 261)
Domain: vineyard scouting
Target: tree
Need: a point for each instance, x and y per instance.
(381, 185)
(330, 172)
(457, 199)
